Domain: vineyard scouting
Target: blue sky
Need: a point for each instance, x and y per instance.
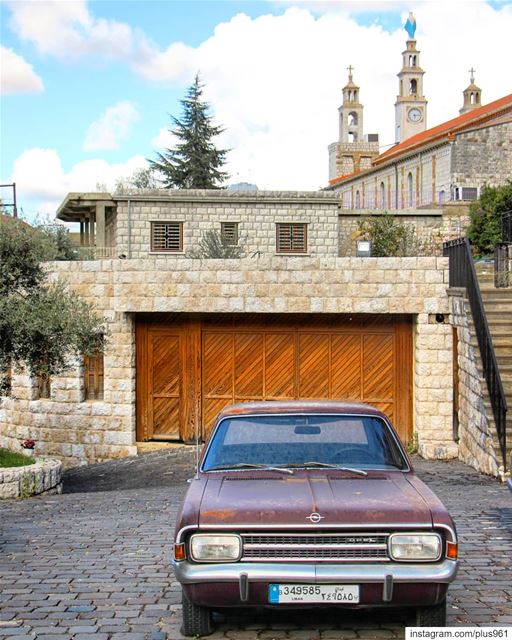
(87, 86)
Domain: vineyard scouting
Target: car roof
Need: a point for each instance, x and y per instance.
(299, 406)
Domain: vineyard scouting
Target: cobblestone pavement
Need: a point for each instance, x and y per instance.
(92, 564)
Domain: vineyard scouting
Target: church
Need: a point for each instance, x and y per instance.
(425, 168)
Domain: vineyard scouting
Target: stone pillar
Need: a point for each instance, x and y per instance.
(100, 224)
(433, 381)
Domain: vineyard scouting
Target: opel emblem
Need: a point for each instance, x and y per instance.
(315, 517)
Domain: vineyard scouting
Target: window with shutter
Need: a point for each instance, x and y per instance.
(93, 377)
(167, 236)
(291, 237)
(229, 233)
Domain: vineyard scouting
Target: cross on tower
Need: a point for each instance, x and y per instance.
(350, 69)
(472, 76)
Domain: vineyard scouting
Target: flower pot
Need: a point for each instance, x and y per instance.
(30, 453)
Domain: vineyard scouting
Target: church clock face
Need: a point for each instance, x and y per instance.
(414, 115)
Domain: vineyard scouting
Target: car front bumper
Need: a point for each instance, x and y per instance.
(438, 573)
(247, 583)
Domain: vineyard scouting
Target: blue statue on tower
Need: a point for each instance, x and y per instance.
(410, 25)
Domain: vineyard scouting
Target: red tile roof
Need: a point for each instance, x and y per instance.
(465, 121)
(445, 130)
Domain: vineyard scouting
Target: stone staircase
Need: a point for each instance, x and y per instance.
(498, 309)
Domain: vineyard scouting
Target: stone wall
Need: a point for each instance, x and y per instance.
(42, 477)
(79, 431)
(432, 226)
(483, 156)
(476, 444)
(200, 210)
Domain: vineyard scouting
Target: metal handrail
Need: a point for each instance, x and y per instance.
(463, 274)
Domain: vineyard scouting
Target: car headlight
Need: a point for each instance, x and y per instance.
(220, 547)
(419, 547)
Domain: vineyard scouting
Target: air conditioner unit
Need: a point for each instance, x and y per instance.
(465, 193)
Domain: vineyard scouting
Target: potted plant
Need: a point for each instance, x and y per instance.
(29, 446)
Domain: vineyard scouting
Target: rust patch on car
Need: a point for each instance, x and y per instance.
(220, 514)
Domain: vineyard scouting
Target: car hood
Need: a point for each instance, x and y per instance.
(340, 498)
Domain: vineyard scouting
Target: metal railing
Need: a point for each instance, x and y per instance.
(503, 253)
(506, 226)
(463, 274)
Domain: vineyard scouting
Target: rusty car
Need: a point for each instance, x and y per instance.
(310, 504)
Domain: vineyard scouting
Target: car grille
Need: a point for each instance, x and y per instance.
(315, 547)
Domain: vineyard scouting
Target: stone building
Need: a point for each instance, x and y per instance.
(289, 320)
(428, 168)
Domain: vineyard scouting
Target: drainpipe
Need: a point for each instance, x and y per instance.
(129, 247)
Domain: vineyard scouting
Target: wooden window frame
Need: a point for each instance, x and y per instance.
(94, 377)
(159, 237)
(229, 233)
(295, 244)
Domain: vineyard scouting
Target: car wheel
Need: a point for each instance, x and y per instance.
(434, 616)
(197, 621)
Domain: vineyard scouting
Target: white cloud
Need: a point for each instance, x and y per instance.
(40, 177)
(68, 30)
(114, 124)
(17, 75)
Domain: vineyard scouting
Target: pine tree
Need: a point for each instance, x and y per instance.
(195, 163)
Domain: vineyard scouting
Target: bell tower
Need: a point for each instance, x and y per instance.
(410, 105)
(472, 95)
(353, 151)
(351, 112)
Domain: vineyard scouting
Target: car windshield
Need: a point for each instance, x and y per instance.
(312, 440)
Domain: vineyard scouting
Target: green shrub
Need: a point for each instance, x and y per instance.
(484, 230)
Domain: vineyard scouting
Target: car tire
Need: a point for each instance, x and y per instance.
(434, 616)
(197, 621)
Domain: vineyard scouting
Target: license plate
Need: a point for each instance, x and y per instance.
(315, 593)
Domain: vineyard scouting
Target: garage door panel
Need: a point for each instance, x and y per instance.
(279, 366)
(218, 364)
(188, 380)
(248, 365)
(166, 367)
(314, 365)
(166, 416)
(378, 367)
(346, 383)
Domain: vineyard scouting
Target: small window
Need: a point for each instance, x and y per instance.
(229, 233)
(43, 386)
(167, 236)
(291, 237)
(93, 377)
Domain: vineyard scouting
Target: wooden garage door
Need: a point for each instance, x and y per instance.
(220, 360)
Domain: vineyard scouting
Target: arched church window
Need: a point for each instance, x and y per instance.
(412, 61)
(413, 87)
(358, 200)
(409, 190)
(382, 195)
(352, 136)
(352, 119)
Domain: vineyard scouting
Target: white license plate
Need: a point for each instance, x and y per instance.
(315, 593)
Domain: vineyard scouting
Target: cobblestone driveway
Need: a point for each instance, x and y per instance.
(93, 562)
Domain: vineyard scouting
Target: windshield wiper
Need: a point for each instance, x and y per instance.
(248, 465)
(312, 464)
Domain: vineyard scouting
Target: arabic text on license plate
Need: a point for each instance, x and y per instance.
(341, 593)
